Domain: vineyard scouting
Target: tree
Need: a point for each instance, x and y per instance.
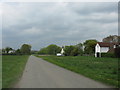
(43, 51)
(34, 52)
(18, 52)
(90, 46)
(3, 51)
(68, 50)
(25, 49)
(75, 52)
(7, 49)
(0, 51)
(112, 38)
(53, 49)
(80, 48)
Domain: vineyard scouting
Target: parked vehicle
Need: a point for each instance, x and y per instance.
(59, 54)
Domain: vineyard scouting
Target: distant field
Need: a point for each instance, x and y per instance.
(12, 68)
(100, 69)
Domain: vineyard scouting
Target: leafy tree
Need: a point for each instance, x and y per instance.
(3, 50)
(112, 38)
(25, 49)
(51, 49)
(7, 49)
(80, 48)
(75, 52)
(68, 50)
(90, 46)
(0, 51)
(43, 51)
(18, 52)
(34, 52)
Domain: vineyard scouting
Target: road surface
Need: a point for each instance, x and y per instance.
(39, 73)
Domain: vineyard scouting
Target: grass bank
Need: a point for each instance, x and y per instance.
(12, 68)
(101, 69)
(0, 71)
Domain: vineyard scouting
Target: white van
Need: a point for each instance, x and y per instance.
(59, 54)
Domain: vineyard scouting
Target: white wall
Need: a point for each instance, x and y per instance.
(62, 51)
(97, 48)
(11, 51)
(104, 49)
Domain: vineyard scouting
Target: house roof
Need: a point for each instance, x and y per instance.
(104, 44)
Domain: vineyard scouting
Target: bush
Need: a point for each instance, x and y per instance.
(68, 50)
(112, 55)
(74, 52)
(51, 50)
(117, 52)
(8, 54)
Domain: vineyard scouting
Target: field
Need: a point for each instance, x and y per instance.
(101, 69)
(12, 68)
(0, 71)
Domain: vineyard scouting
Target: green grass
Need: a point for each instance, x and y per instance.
(0, 71)
(12, 68)
(101, 69)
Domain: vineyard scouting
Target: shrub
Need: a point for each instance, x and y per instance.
(117, 52)
(8, 54)
(108, 55)
(74, 52)
(68, 50)
(51, 50)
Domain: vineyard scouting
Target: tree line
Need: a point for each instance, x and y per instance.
(25, 49)
(71, 50)
(85, 48)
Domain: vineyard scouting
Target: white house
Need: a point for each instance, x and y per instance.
(11, 51)
(61, 53)
(102, 47)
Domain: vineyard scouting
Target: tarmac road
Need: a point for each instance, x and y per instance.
(39, 73)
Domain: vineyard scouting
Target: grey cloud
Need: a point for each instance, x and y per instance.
(93, 7)
(41, 24)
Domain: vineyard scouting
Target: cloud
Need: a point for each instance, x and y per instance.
(41, 24)
(91, 7)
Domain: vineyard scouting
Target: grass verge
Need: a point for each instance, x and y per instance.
(12, 69)
(0, 71)
(101, 69)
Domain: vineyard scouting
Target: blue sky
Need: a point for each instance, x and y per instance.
(41, 24)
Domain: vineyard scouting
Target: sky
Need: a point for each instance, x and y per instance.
(62, 23)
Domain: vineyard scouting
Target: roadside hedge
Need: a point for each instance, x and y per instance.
(112, 55)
